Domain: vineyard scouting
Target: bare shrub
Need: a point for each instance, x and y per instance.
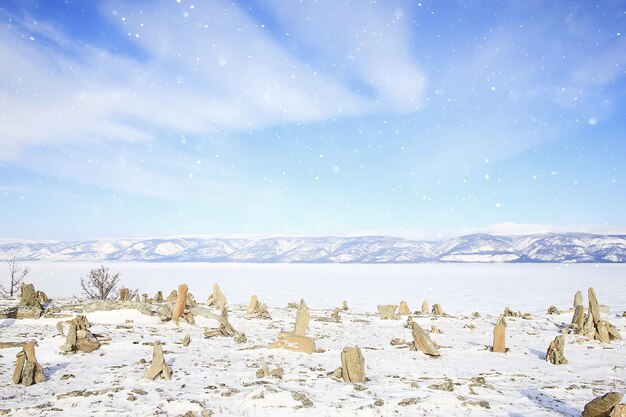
(100, 284)
(17, 274)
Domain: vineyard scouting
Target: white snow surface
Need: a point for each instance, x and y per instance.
(219, 375)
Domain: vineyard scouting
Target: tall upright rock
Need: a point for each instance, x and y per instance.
(158, 367)
(217, 298)
(578, 299)
(181, 302)
(302, 319)
(499, 335)
(554, 354)
(27, 370)
(352, 365)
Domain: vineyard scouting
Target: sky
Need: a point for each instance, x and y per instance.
(131, 118)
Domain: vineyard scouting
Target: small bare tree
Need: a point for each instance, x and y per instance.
(99, 284)
(17, 274)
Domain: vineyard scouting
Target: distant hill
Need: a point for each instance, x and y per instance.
(552, 247)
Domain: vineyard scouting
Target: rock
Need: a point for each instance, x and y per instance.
(444, 386)
(579, 316)
(437, 310)
(144, 298)
(553, 310)
(397, 342)
(70, 341)
(619, 411)
(25, 312)
(602, 332)
(41, 297)
(224, 329)
(302, 320)
(499, 336)
(186, 340)
(425, 308)
(158, 297)
(191, 300)
(578, 299)
(388, 312)
(217, 298)
(137, 298)
(613, 332)
(165, 313)
(594, 309)
(257, 309)
(124, 294)
(264, 371)
(335, 314)
(87, 344)
(181, 300)
(293, 342)
(344, 305)
(352, 365)
(158, 367)
(27, 369)
(172, 297)
(555, 351)
(589, 329)
(81, 322)
(240, 337)
(602, 406)
(422, 340)
(403, 309)
(253, 306)
(28, 297)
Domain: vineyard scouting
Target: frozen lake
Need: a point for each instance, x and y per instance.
(459, 288)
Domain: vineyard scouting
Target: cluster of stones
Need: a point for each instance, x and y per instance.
(591, 324)
(258, 310)
(78, 338)
(27, 369)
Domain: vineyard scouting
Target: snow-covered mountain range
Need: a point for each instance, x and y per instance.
(552, 247)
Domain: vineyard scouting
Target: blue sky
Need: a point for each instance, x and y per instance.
(154, 118)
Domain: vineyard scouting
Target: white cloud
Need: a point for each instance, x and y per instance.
(203, 70)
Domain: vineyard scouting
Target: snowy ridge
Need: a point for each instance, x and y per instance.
(554, 247)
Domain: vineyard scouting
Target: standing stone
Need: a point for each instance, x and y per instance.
(352, 365)
(602, 406)
(437, 310)
(579, 316)
(422, 341)
(181, 300)
(217, 298)
(302, 320)
(253, 306)
(124, 294)
(27, 369)
(137, 298)
(158, 297)
(404, 309)
(594, 308)
(388, 312)
(555, 351)
(578, 299)
(499, 336)
(172, 297)
(344, 305)
(28, 297)
(425, 308)
(158, 365)
(144, 298)
(335, 314)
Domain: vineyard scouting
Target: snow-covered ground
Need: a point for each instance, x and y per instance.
(218, 375)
